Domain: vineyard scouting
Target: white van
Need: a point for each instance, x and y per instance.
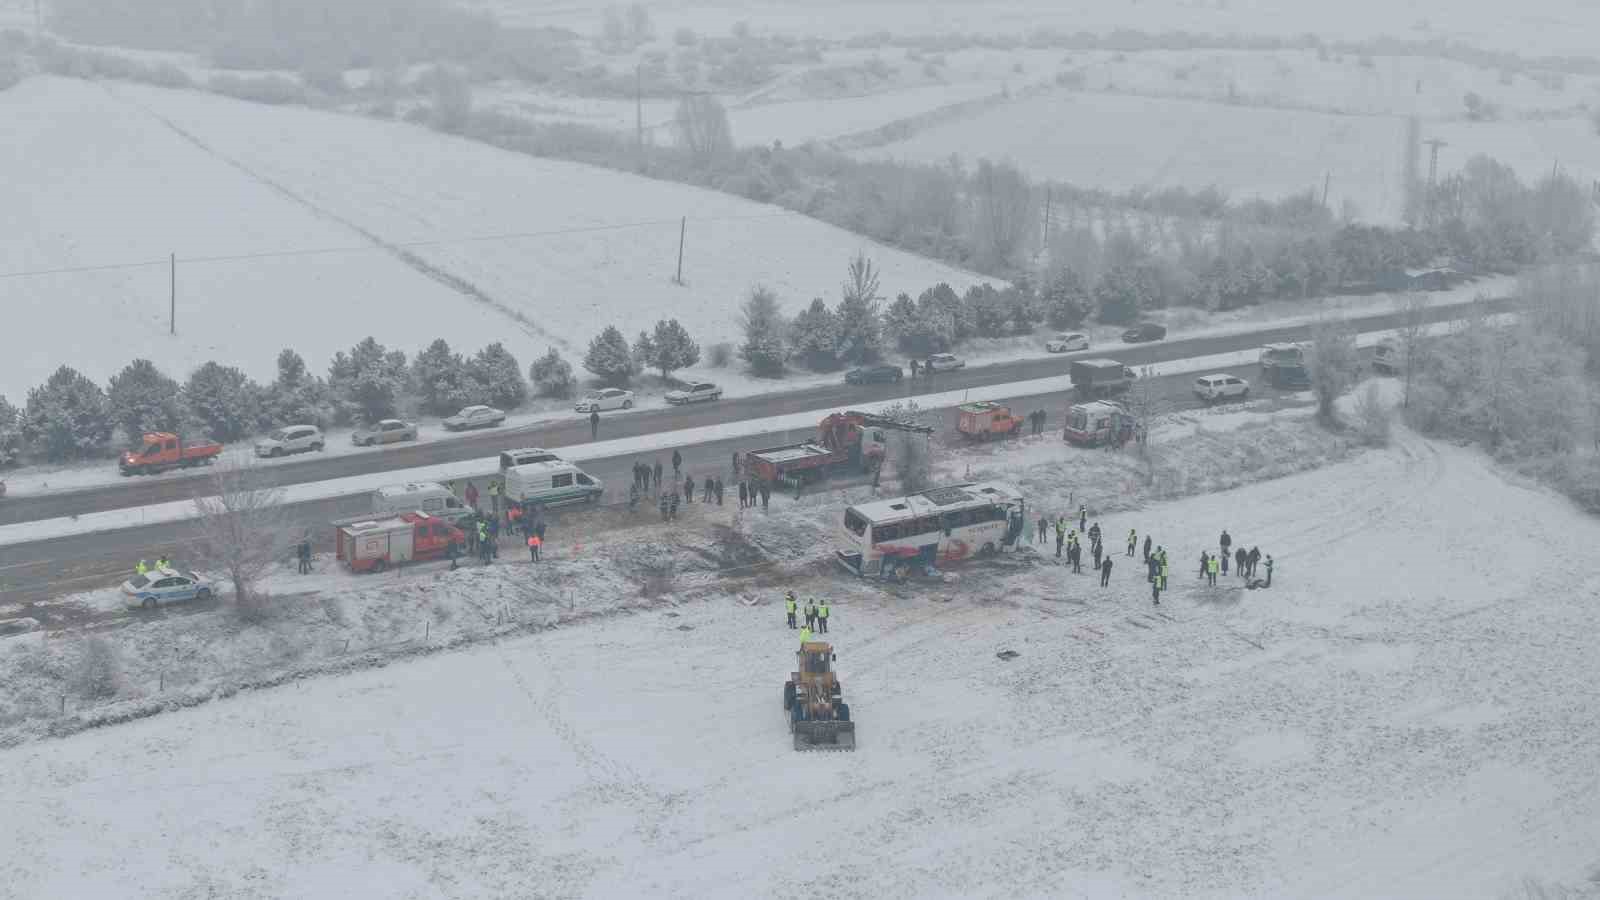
(550, 482)
(510, 459)
(1211, 388)
(433, 499)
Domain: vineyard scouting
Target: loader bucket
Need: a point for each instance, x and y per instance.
(824, 735)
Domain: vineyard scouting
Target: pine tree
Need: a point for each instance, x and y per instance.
(223, 400)
(143, 398)
(500, 375)
(1022, 308)
(943, 297)
(1066, 300)
(439, 376)
(988, 310)
(609, 356)
(1123, 293)
(644, 351)
(68, 417)
(674, 349)
(370, 380)
(814, 336)
(763, 326)
(297, 396)
(552, 375)
(859, 322)
(10, 433)
(900, 320)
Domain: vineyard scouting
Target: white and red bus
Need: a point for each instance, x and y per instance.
(893, 538)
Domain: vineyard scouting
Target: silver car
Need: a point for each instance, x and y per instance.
(388, 431)
(291, 439)
(475, 417)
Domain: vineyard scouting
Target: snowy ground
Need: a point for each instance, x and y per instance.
(1363, 729)
(497, 246)
(1124, 142)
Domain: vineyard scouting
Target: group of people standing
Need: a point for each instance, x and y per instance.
(1069, 542)
(647, 480)
(816, 615)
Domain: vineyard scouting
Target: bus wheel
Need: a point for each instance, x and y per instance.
(987, 550)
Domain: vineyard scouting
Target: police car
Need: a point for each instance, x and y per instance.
(161, 586)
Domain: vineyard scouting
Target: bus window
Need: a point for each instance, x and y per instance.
(855, 522)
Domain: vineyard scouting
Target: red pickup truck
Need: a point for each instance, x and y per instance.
(162, 450)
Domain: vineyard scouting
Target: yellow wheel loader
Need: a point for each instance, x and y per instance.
(813, 701)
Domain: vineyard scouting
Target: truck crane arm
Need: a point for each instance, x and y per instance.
(875, 421)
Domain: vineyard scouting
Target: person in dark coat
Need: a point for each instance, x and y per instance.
(1205, 563)
(663, 504)
(1250, 560)
(1224, 556)
(673, 506)
(718, 491)
(1097, 550)
(688, 488)
(705, 496)
(1154, 565)
(744, 496)
(1147, 543)
(1239, 557)
(657, 472)
(766, 495)
(1105, 571)
(594, 424)
(677, 464)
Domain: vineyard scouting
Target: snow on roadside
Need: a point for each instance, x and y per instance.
(1125, 751)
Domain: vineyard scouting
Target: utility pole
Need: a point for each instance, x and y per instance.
(1047, 192)
(683, 226)
(1433, 172)
(1327, 178)
(172, 294)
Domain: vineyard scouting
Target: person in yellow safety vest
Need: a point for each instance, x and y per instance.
(1133, 541)
(788, 607)
(1211, 571)
(141, 567)
(162, 562)
(805, 635)
(822, 617)
(494, 497)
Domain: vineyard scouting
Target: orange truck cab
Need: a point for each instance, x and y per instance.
(159, 451)
(982, 418)
(372, 545)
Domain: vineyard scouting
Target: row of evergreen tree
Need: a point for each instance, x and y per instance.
(70, 416)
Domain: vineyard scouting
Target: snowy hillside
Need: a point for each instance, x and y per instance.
(1407, 712)
(498, 246)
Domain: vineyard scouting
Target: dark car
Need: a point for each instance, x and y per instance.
(1144, 331)
(873, 374)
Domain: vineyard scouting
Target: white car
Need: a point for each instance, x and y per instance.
(1212, 388)
(161, 586)
(1066, 342)
(603, 399)
(944, 362)
(696, 392)
(291, 439)
(475, 417)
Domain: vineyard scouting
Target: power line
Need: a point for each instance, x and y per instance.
(387, 246)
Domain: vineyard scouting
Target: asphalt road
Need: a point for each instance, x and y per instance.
(33, 573)
(147, 490)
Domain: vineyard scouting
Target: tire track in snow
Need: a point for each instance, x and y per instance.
(413, 261)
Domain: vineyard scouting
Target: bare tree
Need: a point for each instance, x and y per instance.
(1410, 340)
(1002, 210)
(703, 128)
(911, 452)
(1145, 404)
(242, 531)
(1334, 365)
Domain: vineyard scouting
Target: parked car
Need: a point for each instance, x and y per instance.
(1066, 342)
(162, 586)
(874, 374)
(475, 417)
(1143, 332)
(694, 393)
(388, 431)
(290, 439)
(604, 399)
(1212, 388)
(944, 362)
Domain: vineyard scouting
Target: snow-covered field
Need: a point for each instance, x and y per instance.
(1122, 142)
(415, 235)
(1536, 27)
(1407, 712)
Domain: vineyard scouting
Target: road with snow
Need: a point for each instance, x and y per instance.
(575, 431)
